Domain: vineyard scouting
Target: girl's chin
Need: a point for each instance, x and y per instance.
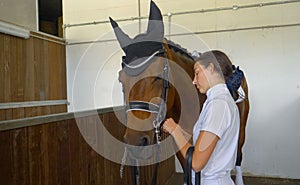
(202, 90)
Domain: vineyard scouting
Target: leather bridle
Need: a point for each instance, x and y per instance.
(160, 109)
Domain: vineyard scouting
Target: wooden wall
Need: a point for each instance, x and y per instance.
(52, 152)
(31, 69)
(56, 153)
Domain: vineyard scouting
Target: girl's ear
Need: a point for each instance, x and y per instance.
(211, 67)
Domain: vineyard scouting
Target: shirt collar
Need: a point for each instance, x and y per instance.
(216, 91)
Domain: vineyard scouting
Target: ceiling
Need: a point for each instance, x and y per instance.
(50, 10)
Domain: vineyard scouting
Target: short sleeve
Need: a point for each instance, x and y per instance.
(217, 118)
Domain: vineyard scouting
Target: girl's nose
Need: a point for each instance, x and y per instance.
(194, 81)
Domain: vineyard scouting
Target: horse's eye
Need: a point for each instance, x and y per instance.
(157, 78)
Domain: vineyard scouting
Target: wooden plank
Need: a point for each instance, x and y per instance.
(55, 109)
(6, 161)
(93, 139)
(63, 169)
(34, 152)
(83, 152)
(38, 72)
(109, 167)
(28, 83)
(46, 138)
(29, 77)
(46, 78)
(2, 75)
(74, 154)
(90, 136)
(54, 74)
(63, 72)
(20, 156)
(63, 75)
(7, 80)
(60, 65)
(14, 74)
(95, 142)
(53, 71)
(20, 75)
(53, 151)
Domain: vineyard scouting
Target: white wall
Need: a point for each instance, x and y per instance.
(269, 57)
(19, 12)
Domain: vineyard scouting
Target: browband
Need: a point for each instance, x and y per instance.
(137, 66)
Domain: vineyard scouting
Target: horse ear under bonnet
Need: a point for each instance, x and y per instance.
(123, 38)
(155, 23)
(142, 46)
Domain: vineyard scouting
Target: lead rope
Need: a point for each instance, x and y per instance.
(137, 173)
(154, 178)
(123, 163)
(187, 178)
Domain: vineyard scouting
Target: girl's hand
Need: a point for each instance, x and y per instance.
(169, 126)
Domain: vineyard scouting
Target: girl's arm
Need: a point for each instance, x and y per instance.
(204, 146)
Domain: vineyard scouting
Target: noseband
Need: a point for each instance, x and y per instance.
(160, 109)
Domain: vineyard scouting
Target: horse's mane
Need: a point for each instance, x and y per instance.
(178, 49)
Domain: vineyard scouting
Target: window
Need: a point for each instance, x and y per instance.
(50, 17)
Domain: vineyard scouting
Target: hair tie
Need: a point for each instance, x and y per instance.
(235, 80)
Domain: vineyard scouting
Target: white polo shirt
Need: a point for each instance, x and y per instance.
(220, 116)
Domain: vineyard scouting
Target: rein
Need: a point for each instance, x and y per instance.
(160, 110)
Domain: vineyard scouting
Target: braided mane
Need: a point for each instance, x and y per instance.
(178, 49)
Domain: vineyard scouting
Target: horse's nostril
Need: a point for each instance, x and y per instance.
(144, 141)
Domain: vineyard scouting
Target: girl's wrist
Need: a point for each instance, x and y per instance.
(176, 131)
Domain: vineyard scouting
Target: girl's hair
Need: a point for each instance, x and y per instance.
(221, 62)
(222, 65)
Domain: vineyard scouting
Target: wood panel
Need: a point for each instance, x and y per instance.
(2, 75)
(31, 70)
(57, 153)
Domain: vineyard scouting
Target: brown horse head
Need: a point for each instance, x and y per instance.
(144, 90)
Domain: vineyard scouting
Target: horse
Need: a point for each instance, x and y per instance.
(156, 78)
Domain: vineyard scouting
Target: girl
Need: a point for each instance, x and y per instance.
(215, 134)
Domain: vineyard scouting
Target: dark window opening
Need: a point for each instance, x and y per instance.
(50, 17)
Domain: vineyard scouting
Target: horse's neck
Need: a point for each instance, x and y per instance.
(185, 107)
(184, 62)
